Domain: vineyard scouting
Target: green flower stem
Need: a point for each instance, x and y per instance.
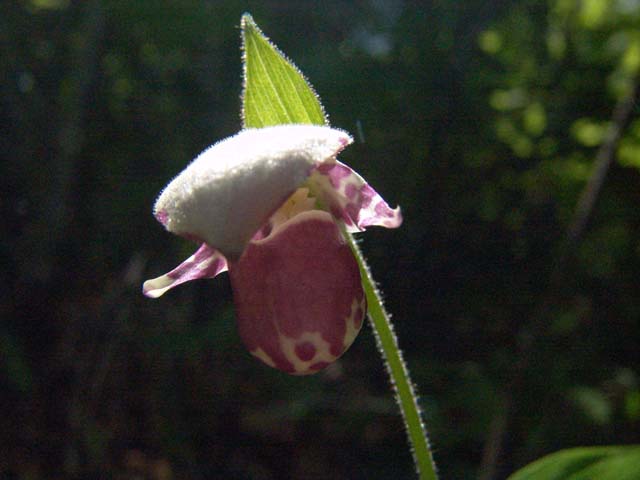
(400, 380)
(275, 93)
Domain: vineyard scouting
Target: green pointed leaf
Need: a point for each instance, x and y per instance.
(585, 463)
(275, 91)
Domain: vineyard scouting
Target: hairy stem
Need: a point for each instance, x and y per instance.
(398, 372)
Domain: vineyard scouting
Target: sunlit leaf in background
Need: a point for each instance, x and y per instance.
(590, 463)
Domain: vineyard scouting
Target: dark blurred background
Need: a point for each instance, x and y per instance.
(486, 121)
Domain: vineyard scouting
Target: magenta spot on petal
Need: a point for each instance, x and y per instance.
(382, 209)
(351, 191)
(335, 172)
(368, 194)
(319, 366)
(341, 171)
(269, 344)
(305, 351)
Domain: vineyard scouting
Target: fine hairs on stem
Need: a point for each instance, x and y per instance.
(396, 367)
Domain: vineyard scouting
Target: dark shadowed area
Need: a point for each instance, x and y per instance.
(508, 132)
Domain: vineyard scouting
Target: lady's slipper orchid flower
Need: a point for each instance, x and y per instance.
(268, 205)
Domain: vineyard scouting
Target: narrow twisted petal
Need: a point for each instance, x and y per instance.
(351, 199)
(298, 294)
(207, 262)
(227, 193)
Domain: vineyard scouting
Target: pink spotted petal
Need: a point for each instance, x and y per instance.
(207, 262)
(298, 295)
(351, 199)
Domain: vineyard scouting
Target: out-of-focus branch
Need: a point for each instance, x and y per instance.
(537, 326)
(604, 158)
(493, 443)
(581, 217)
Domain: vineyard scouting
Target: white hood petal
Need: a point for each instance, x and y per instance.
(225, 195)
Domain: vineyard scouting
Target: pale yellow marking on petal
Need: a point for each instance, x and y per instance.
(262, 355)
(352, 331)
(297, 203)
(323, 352)
(323, 348)
(206, 262)
(156, 287)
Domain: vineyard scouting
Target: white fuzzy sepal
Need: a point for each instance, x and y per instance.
(226, 194)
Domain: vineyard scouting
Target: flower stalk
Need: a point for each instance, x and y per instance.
(275, 92)
(396, 367)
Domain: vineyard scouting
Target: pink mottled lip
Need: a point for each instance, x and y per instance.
(298, 295)
(297, 288)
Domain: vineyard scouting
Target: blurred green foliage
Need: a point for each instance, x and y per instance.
(603, 463)
(481, 119)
